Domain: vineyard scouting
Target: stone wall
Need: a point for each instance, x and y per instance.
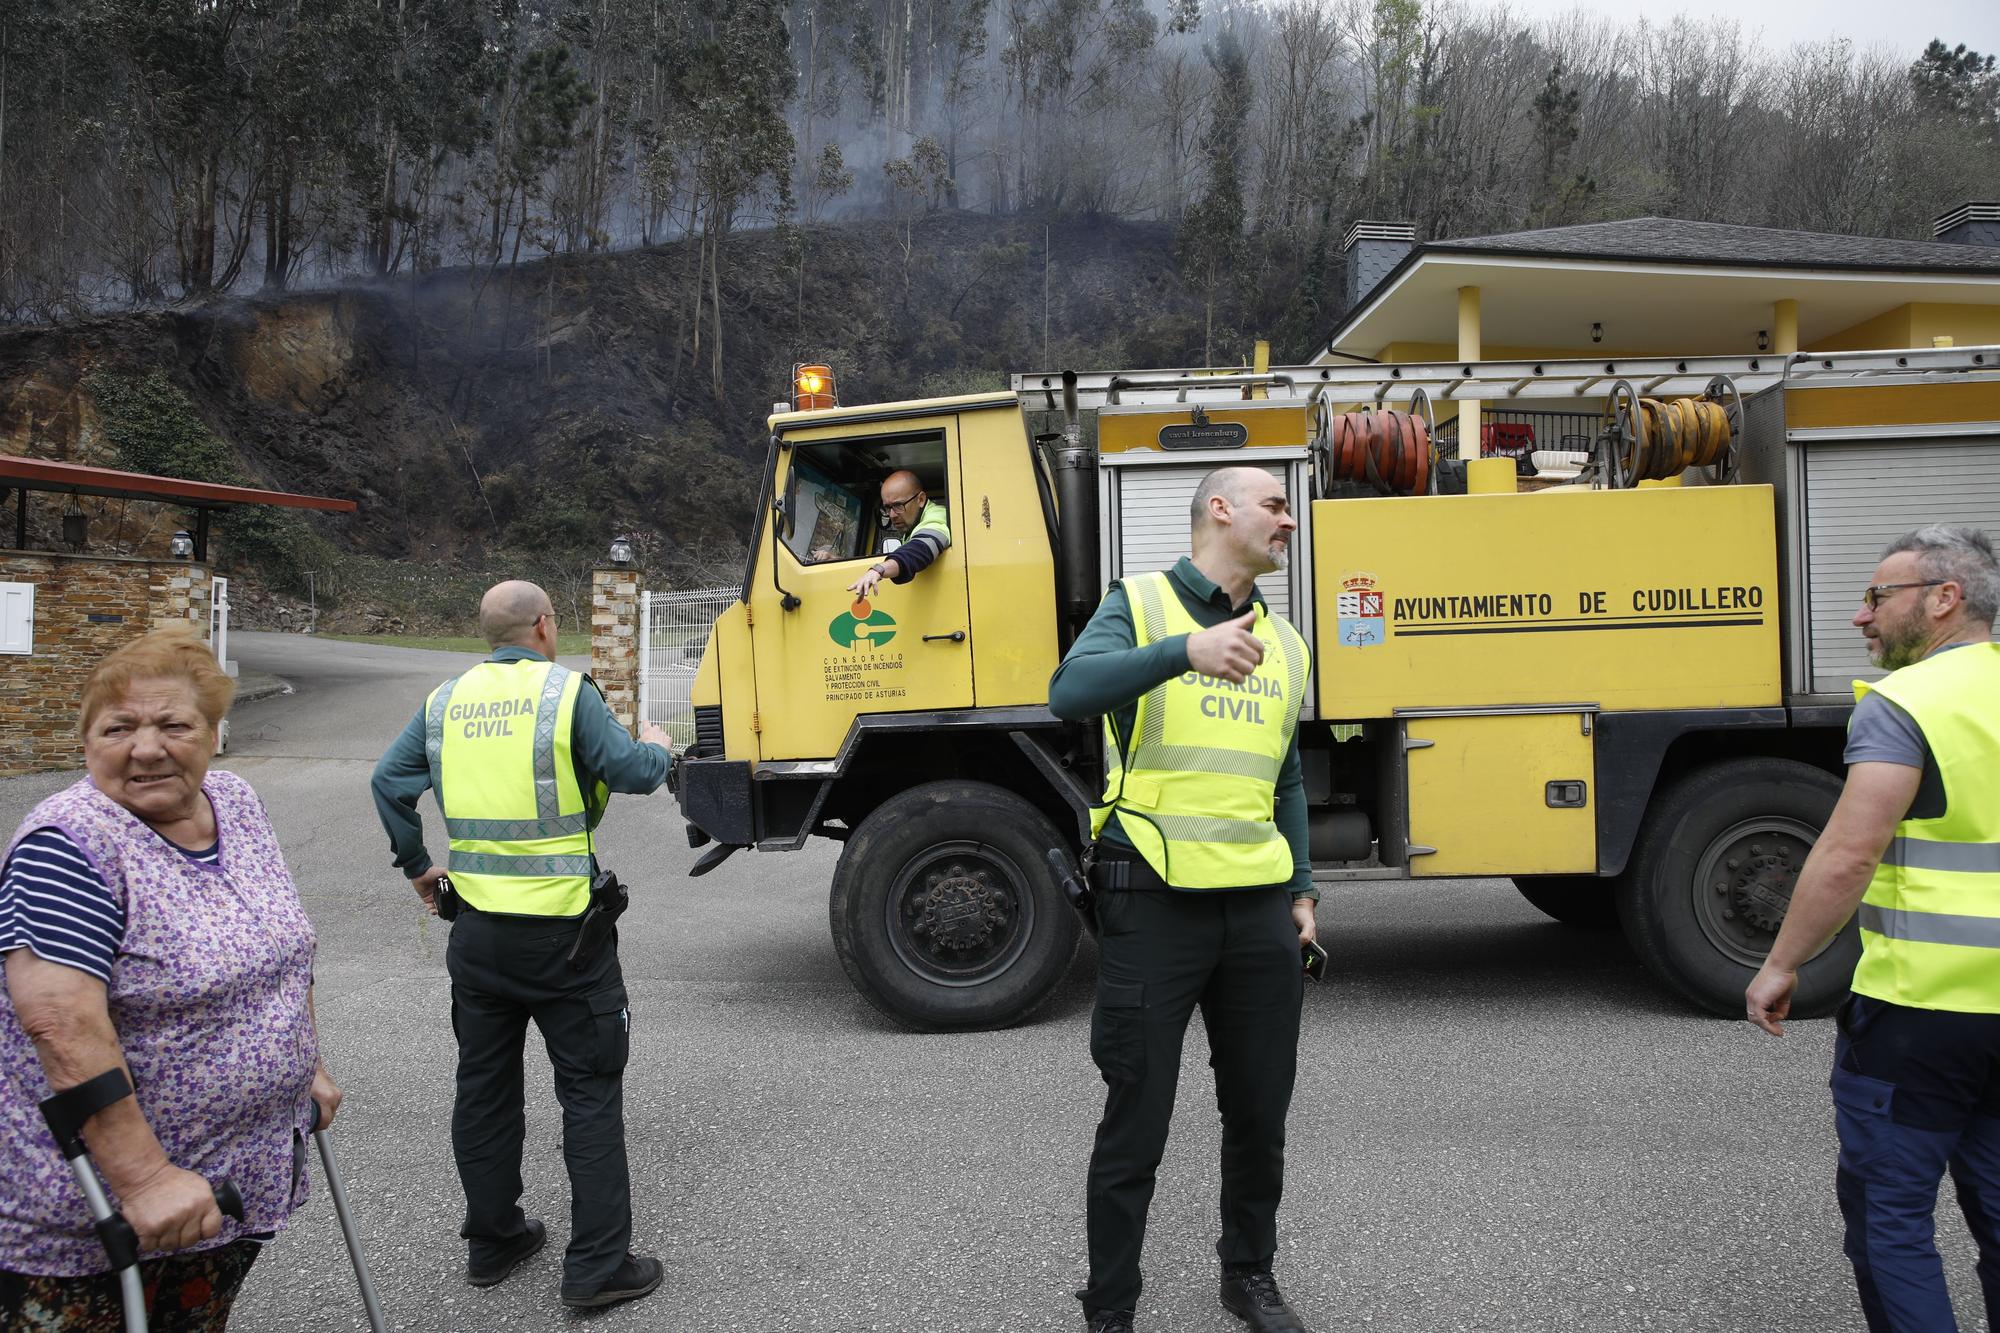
(614, 640)
(84, 607)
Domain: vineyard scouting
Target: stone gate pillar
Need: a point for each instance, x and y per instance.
(614, 639)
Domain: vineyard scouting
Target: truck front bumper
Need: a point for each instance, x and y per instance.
(716, 798)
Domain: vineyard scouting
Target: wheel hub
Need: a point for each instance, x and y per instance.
(1762, 887)
(1744, 881)
(960, 909)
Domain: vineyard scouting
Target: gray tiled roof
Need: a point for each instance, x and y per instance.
(1674, 240)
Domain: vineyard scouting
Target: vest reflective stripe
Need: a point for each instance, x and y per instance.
(1930, 920)
(516, 830)
(548, 802)
(1969, 932)
(434, 735)
(1979, 858)
(518, 822)
(933, 519)
(1195, 788)
(492, 863)
(1241, 763)
(1202, 828)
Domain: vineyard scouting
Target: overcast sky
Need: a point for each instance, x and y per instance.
(1901, 25)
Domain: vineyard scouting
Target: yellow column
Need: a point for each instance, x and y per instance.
(1490, 476)
(1260, 364)
(1785, 327)
(1468, 350)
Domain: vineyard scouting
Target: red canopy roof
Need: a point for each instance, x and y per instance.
(40, 474)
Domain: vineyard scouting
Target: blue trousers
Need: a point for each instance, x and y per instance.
(1916, 1093)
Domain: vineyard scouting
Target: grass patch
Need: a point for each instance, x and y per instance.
(567, 645)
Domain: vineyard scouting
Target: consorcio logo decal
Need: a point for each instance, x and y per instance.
(862, 624)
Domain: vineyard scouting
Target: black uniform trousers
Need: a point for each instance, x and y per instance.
(506, 970)
(1162, 951)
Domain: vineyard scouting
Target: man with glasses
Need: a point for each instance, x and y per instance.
(523, 754)
(1914, 844)
(907, 510)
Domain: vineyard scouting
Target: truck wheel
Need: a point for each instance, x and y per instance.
(945, 913)
(1712, 875)
(1584, 901)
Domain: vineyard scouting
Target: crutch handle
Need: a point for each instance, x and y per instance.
(226, 1198)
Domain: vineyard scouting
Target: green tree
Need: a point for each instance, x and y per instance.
(1958, 82)
(1210, 246)
(731, 95)
(157, 430)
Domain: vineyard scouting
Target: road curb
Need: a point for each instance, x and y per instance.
(254, 685)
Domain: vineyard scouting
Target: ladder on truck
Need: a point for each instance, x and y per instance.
(1384, 384)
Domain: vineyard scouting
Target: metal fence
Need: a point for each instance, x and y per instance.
(673, 630)
(1506, 432)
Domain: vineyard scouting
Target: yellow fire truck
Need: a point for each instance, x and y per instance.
(1629, 698)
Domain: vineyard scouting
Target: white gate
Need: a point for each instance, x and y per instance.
(673, 630)
(218, 623)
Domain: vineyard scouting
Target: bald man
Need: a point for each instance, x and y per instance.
(1203, 883)
(522, 754)
(927, 533)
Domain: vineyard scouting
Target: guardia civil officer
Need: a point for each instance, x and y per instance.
(1915, 843)
(522, 754)
(1203, 883)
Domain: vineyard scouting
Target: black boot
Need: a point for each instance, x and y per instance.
(1109, 1321)
(1254, 1298)
(497, 1270)
(637, 1276)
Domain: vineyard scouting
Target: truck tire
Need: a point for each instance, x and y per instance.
(945, 912)
(1584, 901)
(1712, 874)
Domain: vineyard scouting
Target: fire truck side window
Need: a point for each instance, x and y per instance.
(833, 494)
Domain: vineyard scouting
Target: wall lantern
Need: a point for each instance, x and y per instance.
(1597, 333)
(1763, 340)
(181, 546)
(75, 526)
(621, 551)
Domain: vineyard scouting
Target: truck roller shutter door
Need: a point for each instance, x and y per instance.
(1861, 497)
(1153, 503)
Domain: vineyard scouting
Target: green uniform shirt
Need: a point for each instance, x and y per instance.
(1105, 672)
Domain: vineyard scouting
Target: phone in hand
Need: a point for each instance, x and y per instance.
(1315, 960)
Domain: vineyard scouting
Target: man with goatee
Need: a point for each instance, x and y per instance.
(1202, 882)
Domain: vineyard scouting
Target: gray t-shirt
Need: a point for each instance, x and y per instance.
(1882, 732)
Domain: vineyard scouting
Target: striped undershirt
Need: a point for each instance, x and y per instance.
(53, 901)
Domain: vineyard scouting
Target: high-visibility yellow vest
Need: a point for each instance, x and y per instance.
(1930, 921)
(1195, 785)
(498, 740)
(933, 519)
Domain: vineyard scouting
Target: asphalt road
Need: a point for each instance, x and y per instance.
(1501, 1124)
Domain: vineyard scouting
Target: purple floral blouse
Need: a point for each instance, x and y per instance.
(208, 996)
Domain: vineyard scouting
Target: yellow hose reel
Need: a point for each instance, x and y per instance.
(1651, 439)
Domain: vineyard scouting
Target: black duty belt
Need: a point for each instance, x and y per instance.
(1118, 870)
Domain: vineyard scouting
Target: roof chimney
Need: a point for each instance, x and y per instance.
(1372, 250)
(1969, 224)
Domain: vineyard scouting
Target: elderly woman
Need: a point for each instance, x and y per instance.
(148, 922)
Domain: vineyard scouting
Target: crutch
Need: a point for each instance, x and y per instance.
(333, 1187)
(66, 1112)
